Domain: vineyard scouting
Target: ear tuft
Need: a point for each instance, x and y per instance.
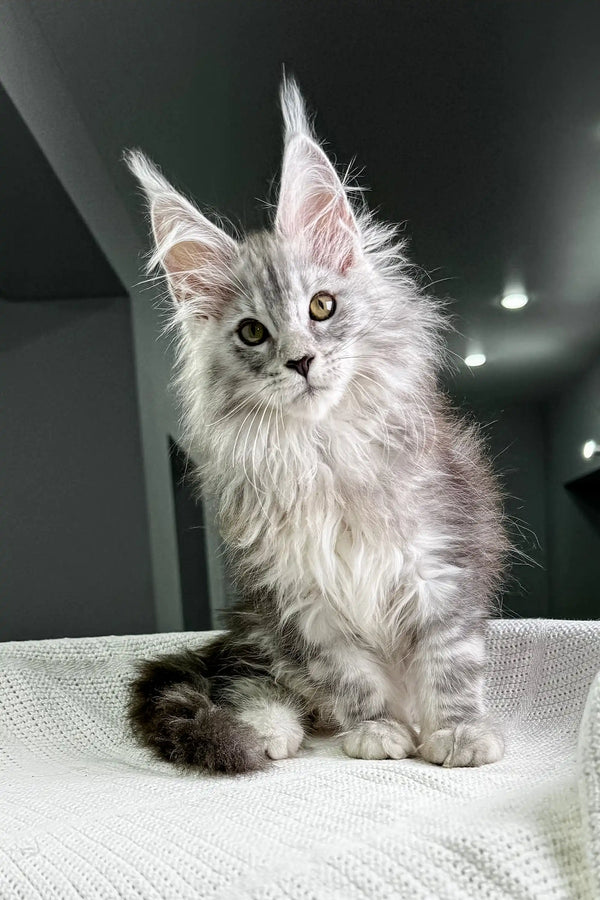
(195, 254)
(146, 173)
(293, 110)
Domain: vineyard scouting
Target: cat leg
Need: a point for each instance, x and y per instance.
(448, 671)
(358, 693)
(272, 711)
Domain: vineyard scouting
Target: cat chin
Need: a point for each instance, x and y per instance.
(313, 405)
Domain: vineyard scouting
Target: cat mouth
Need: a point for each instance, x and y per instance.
(312, 402)
(310, 390)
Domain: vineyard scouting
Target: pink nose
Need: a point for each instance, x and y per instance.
(300, 365)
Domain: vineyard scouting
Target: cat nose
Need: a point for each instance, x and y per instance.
(300, 365)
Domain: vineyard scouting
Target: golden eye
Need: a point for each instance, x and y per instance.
(322, 306)
(252, 332)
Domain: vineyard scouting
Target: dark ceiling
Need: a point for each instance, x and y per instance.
(47, 250)
(477, 124)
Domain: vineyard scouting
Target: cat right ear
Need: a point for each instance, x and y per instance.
(313, 208)
(195, 255)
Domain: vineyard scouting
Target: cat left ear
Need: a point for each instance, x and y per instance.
(195, 254)
(313, 208)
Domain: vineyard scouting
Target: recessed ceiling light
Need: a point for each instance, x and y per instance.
(475, 359)
(516, 300)
(590, 448)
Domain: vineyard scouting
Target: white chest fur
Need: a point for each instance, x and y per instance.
(339, 563)
(334, 536)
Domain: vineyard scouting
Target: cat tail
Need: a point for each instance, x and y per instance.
(171, 711)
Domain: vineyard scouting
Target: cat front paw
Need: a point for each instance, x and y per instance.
(278, 727)
(380, 739)
(284, 743)
(467, 744)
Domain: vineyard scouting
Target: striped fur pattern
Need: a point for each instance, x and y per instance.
(362, 520)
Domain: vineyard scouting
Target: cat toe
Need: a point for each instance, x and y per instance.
(467, 744)
(284, 744)
(379, 740)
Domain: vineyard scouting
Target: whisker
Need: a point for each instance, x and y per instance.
(243, 403)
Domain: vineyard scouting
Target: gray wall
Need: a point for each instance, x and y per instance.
(74, 551)
(574, 527)
(220, 72)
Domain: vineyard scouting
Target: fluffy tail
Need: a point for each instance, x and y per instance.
(171, 712)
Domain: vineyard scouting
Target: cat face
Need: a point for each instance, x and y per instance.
(289, 329)
(287, 318)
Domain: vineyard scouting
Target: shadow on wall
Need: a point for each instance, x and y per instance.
(191, 542)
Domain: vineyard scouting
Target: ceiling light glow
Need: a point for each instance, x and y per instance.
(590, 448)
(516, 300)
(475, 359)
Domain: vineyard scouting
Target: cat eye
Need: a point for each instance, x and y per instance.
(322, 306)
(252, 332)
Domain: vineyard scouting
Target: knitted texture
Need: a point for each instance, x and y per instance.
(85, 813)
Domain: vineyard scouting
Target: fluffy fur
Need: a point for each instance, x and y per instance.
(362, 520)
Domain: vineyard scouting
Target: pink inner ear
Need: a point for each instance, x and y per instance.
(333, 234)
(183, 258)
(198, 271)
(185, 265)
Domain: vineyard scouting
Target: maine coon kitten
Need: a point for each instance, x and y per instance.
(362, 520)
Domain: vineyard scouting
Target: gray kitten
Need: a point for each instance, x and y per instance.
(362, 520)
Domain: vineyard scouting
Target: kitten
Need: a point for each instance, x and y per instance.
(362, 520)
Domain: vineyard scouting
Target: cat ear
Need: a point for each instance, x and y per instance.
(313, 207)
(195, 254)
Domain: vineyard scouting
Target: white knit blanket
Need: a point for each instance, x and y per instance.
(86, 814)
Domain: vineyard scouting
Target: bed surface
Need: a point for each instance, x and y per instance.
(85, 813)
